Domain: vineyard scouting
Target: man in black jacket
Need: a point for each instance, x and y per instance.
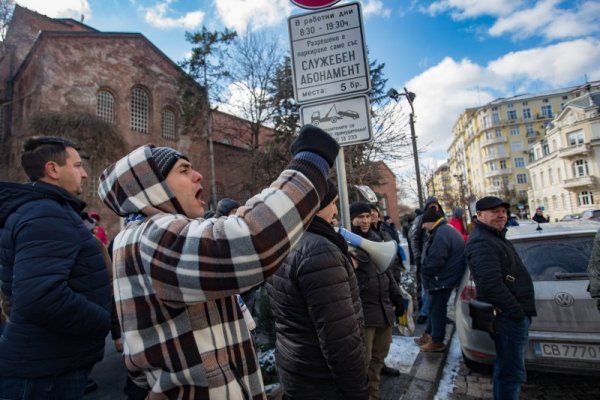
(502, 280)
(54, 276)
(320, 352)
(381, 299)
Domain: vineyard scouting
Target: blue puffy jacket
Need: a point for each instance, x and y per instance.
(54, 275)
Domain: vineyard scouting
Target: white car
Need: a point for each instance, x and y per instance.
(565, 335)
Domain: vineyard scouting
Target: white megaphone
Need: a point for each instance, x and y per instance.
(381, 253)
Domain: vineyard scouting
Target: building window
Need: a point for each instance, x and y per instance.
(486, 121)
(585, 198)
(493, 166)
(105, 106)
(139, 110)
(547, 111)
(575, 138)
(511, 115)
(498, 133)
(554, 202)
(516, 145)
(562, 201)
(522, 194)
(550, 176)
(167, 124)
(514, 131)
(502, 164)
(545, 147)
(529, 130)
(495, 118)
(522, 178)
(527, 113)
(580, 168)
(542, 180)
(519, 162)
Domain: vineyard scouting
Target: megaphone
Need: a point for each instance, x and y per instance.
(381, 253)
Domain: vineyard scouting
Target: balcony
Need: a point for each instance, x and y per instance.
(573, 151)
(494, 157)
(533, 136)
(498, 172)
(495, 140)
(578, 182)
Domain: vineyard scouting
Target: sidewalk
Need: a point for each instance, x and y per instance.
(427, 369)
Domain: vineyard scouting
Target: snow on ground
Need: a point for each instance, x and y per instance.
(402, 354)
(450, 370)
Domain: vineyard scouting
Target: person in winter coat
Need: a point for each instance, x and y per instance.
(442, 268)
(458, 222)
(319, 351)
(539, 216)
(381, 300)
(53, 275)
(594, 270)
(502, 280)
(418, 237)
(389, 227)
(176, 275)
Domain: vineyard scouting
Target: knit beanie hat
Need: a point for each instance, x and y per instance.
(330, 195)
(431, 215)
(359, 207)
(225, 205)
(165, 158)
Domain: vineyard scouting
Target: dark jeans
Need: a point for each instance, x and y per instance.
(509, 369)
(436, 321)
(68, 386)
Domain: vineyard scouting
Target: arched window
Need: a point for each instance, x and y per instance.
(139, 110)
(580, 168)
(167, 123)
(585, 198)
(105, 106)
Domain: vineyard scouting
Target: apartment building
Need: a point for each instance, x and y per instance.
(492, 144)
(566, 163)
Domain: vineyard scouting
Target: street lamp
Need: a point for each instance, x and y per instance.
(461, 189)
(410, 96)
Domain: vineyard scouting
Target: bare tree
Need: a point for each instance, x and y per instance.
(6, 10)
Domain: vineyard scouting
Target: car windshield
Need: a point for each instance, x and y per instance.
(556, 258)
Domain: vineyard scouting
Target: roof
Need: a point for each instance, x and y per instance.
(529, 229)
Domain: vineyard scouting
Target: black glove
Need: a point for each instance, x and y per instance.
(399, 308)
(317, 141)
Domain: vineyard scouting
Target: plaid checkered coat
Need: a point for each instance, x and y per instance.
(175, 278)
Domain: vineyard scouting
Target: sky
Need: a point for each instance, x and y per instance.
(453, 54)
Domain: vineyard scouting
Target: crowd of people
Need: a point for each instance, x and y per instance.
(169, 284)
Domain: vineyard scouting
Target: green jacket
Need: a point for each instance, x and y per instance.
(594, 268)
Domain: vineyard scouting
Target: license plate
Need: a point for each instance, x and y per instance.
(567, 350)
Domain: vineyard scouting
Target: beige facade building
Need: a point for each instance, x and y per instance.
(493, 145)
(566, 166)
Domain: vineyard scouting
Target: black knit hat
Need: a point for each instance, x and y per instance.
(165, 158)
(225, 205)
(330, 195)
(359, 207)
(431, 215)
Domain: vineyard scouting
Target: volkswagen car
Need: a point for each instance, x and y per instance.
(565, 335)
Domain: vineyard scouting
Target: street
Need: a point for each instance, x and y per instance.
(460, 383)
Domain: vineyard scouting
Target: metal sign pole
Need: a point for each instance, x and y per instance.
(340, 165)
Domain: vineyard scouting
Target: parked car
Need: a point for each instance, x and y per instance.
(571, 217)
(565, 335)
(593, 215)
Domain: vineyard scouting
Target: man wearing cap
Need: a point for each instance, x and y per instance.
(381, 299)
(176, 275)
(442, 267)
(320, 352)
(502, 280)
(53, 277)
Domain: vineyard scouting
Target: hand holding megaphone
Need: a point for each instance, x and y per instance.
(382, 253)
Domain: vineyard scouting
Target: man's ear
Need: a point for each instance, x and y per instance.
(51, 169)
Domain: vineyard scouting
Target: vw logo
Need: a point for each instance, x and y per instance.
(564, 299)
